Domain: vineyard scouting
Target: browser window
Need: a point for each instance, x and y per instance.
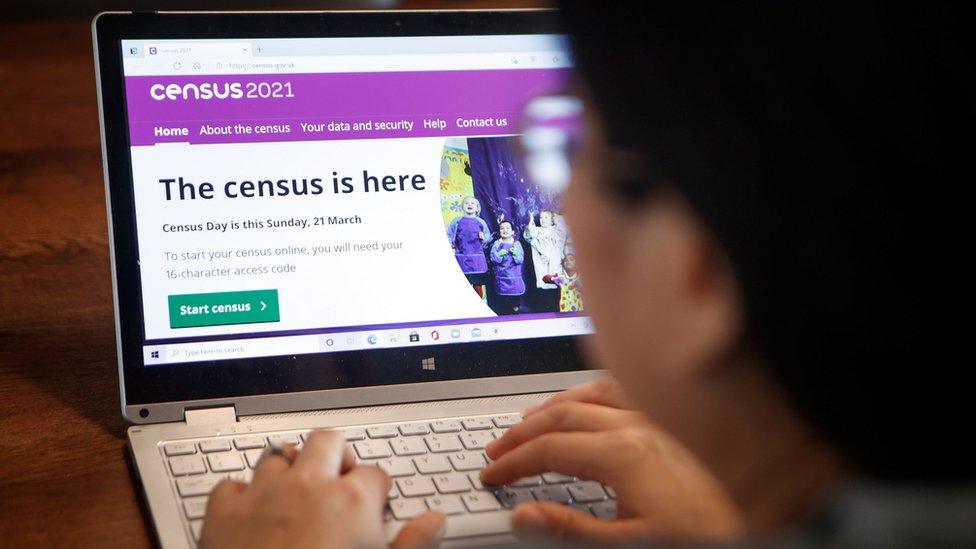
(317, 195)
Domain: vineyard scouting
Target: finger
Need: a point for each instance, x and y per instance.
(423, 532)
(563, 416)
(605, 391)
(271, 467)
(223, 493)
(370, 482)
(325, 455)
(565, 523)
(583, 455)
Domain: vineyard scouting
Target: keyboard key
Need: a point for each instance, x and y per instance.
(382, 431)
(479, 502)
(404, 509)
(414, 429)
(610, 492)
(248, 443)
(408, 446)
(510, 497)
(196, 526)
(556, 494)
(208, 446)
(449, 505)
(196, 486)
(240, 476)
(396, 467)
(450, 426)
(393, 493)
(354, 434)
(528, 481)
(429, 465)
(253, 457)
(195, 507)
(371, 449)
(582, 508)
(187, 465)
(452, 483)
(475, 479)
(416, 486)
(179, 449)
(443, 443)
(221, 463)
(476, 440)
(467, 461)
(605, 509)
(587, 492)
(285, 439)
(477, 423)
(557, 478)
(506, 421)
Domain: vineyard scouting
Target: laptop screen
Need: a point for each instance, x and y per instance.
(301, 196)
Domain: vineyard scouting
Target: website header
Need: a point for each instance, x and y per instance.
(331, 106)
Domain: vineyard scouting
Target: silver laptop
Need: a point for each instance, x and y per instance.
(322, 220)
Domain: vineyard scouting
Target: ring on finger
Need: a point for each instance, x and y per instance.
(287, 451)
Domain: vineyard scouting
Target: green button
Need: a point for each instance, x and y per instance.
(222, 308)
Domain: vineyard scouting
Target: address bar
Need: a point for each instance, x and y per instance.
(387, 63)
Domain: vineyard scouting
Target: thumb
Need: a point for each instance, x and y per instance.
(563, 522)
(422, 532)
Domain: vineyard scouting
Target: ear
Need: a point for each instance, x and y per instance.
(697, 292)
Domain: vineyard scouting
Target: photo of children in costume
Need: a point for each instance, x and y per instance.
(507, 234)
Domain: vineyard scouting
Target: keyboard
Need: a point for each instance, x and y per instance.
(433, 465)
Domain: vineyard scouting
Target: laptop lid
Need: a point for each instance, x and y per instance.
(313, 210)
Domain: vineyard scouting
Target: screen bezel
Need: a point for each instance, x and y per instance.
(146, 391)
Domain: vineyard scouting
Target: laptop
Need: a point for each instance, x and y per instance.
(322, 220)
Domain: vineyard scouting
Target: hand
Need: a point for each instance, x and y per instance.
(663, 491)
(323, 499)
(605, 391)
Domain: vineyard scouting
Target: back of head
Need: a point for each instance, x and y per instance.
(807, 136)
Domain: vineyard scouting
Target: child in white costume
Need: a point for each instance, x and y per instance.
(548, 240)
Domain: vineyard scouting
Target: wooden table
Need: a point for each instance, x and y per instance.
(65, 479)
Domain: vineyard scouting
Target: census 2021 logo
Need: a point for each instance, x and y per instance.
(206, 91)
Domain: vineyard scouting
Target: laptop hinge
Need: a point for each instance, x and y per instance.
(210, 416)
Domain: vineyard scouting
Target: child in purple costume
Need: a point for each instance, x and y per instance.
(468, 235)
(507, 256)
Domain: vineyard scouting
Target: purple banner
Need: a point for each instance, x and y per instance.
(305, 107)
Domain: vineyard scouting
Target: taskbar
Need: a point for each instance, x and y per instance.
(235, 349)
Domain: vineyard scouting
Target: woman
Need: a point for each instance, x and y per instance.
(746, 216)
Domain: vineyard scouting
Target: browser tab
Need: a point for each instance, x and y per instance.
(198, 49)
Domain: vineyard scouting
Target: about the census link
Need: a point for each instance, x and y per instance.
(180, 188)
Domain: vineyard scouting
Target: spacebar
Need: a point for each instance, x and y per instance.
(479, 524)
(463, 526)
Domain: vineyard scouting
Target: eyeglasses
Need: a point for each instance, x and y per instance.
(552, 133)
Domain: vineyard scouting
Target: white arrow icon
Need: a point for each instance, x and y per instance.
(264, 305)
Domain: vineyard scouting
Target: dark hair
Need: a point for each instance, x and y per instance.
(805, 135)
(502, 222)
